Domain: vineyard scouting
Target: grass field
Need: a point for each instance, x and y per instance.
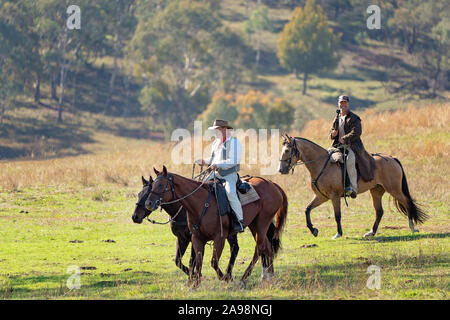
(76, 211)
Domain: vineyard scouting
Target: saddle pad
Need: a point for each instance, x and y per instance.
(249, 197)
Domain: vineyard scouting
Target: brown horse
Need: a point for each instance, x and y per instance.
(204, 220)
(327, 182)
(179, 227)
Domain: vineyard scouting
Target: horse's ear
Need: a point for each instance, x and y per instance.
(164, 170)
(156, 171)
(144, 182)
(150, 180)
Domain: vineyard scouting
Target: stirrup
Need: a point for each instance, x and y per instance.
(349, 192)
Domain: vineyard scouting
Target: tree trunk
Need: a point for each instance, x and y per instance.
(54, 85)
(63, 71)
(74, 85)
(2, 111)
(119, 17)
(258, 50)
(436, 77)
(37, 88)
(305, 78)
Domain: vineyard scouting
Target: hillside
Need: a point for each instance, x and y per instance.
(31, 130)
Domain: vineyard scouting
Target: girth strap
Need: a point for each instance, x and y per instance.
(196, 227)
(314, 181)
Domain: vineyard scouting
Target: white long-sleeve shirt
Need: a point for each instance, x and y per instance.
(232, 154)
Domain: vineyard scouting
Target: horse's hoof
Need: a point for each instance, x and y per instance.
(369, 234)
(336, 236)
(228, 278)
(415, 231)
(195, 284)
(243, 284)
(315, 232)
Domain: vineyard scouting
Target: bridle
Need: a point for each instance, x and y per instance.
(294, 151)
(147, 194)
(172, 187)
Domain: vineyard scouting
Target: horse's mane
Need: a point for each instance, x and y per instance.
(205, 185)
(304, 139)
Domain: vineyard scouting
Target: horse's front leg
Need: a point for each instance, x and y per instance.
(219, 243)
(199, 247)
(234, 249)
(182, 245)
(316, 201)
(336, 200)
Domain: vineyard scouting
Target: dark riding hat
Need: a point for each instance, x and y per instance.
(343, 98)
(220, 123)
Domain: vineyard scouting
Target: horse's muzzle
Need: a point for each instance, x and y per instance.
(283, 170)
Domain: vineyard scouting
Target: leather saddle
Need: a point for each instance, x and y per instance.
(221, 195)
(345, 183)
(242, 186)
(222, 200)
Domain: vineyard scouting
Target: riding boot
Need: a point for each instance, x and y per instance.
(236, 224)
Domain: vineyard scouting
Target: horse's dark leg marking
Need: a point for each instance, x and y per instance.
(182, 245)
(337, 215)
(234, 249)
(219, 243)
(255, 258)
(317, 201)
(199, 247)
(377, 194)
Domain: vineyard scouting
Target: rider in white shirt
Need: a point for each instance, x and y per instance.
(225, 161)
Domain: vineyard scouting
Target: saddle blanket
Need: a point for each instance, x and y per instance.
(248, 197)
(336, 155)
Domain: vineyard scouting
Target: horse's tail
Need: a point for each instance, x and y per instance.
(280, 221)
(276, 243)
(413, 210)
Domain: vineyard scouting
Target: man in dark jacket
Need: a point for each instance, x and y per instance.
(347, 130)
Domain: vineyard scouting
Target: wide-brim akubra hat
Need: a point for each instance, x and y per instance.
(220, 123)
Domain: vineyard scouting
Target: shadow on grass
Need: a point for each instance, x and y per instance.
(406, 238)
(58, 282)
(352, 274)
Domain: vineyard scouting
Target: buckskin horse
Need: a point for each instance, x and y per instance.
(179, 227)
(326, 182)
(204, 221)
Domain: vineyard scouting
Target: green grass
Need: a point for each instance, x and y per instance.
(37, 226)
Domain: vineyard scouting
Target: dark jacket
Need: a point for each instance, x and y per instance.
(353, 130)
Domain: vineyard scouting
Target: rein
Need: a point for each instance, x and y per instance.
(294, 149)
(170, 181)
(314, 181)
(170, 219)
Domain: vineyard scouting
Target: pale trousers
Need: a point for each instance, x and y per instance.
(230, 189)
(351, 170)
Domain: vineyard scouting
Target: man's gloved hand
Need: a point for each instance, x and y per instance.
(334, 133)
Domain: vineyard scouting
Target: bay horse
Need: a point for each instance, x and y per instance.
(179, 227)
(204, 222)
(326, 183)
